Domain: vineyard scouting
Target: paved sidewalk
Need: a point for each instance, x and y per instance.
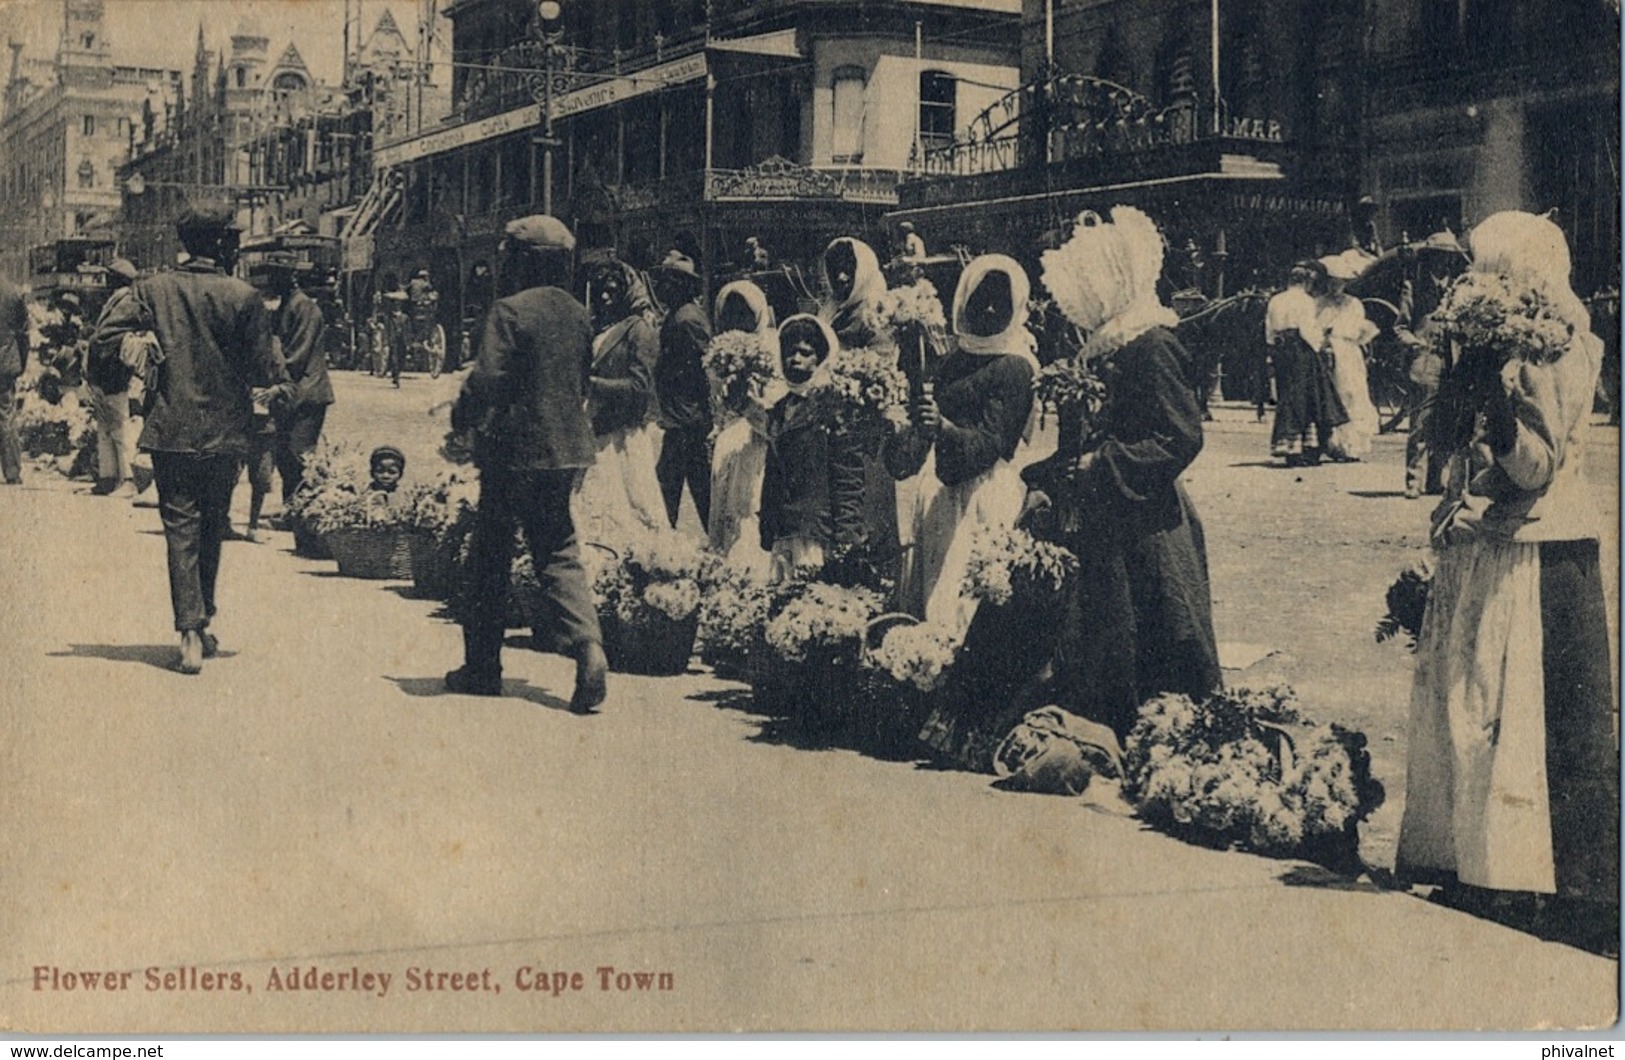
(313, 800)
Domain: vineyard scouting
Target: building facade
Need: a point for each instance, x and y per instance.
(684, 122)
(68, 125)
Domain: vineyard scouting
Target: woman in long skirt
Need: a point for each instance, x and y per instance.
(1344, 332)
(966, 427)
(739, 454)
(1512, 783)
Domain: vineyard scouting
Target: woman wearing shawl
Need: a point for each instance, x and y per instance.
(739, 454)
(855, 281)
(812, 485)
(1137, 617)
(1512, 783)
(1343, 332)
(962, 439)
(619, 492)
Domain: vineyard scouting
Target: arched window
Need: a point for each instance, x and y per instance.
(846, 137)
(937, 92)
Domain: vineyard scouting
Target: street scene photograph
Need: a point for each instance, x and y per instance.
(545, 517)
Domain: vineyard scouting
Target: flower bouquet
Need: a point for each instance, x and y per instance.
(1013, 565)
(1491, 315)
(1245, 768)
(914, 315)
(1069, 388)
(648, 596)
(370, 533)
(862, 392)
(1407, 600)
(742, 366)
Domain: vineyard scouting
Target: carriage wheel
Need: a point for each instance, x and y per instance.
(435, 346)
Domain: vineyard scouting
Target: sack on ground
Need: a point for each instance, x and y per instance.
(1057, 753)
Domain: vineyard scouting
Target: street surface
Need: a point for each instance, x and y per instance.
(315, 804)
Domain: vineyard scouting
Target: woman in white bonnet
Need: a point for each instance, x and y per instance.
(739, 453)
(1342, 331)
(1512, 783)
(1137, 618)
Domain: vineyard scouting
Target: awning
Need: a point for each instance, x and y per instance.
(780, 44)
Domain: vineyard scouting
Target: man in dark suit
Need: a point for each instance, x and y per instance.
(13, 359)
(218, 361)
(524, 405)
(682, 389)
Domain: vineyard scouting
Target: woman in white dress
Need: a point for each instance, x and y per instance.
(619, 493)
(1343, 332)
(739, 453)
(961, 445)
(1512, 783)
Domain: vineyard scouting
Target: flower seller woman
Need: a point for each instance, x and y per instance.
(739, 453)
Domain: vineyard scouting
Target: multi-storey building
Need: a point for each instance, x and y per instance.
(1488, 105)
(685, 121)
(1234, 123)
(67, 127)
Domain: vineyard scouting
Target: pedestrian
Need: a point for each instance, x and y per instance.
(1512, 781)
(620, 491)
(739, 455)
(911, 245)
(682, 388)
(964, 431)
(1438, 260)
(1342, 333)
(13, 361)
(1306, 405)
(107, 383)
(219, 360)
(524, 407)
(1137, 618)
(812, 479)
(297, 323)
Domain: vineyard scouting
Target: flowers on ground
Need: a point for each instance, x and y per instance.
(651, 578)
(916, 655)
(825, 621)
(1005, 562)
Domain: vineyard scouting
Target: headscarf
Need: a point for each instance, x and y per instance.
(1013, 339)
(1104, 278)
(1531, 250)
(868, 282)
(820, 374)
(754, 297)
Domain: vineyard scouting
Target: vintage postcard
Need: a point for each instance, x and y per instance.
(903, 515)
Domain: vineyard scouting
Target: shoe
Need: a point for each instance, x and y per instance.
(465, 683)
(251, 536)
(592, 679)
(211, 645)
(103, 487)
(191, 660)
(1411, 493)
(125, 492)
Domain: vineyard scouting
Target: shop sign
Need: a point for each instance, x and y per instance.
(1296, 205)
(443, 140)
(776, 178)
(1259, 130)
(358, 253)
(618, 89)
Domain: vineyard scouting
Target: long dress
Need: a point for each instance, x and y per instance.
(1137, 618)
(1344, 331)
(739, 450)
(1512, 780)
(967, 481)
(619, 493)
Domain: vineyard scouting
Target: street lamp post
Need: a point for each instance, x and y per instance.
(549, 15)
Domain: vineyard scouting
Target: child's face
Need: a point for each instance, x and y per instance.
(386, 474)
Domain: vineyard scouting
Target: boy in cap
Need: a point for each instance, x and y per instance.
(219, 361)
(524, 408)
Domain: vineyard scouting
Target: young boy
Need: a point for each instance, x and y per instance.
(388, 464)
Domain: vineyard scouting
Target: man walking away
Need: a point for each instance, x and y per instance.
(682, 388)
(523, 407)
(107, 378)
(218, 358)
(297, 324)
(13, 359)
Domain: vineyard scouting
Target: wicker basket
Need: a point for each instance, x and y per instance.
(434, 567)
(658, 647)
(380, 555)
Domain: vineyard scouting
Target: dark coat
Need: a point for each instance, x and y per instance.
(216, 341)
(104, 370)
(812, 485)
(681, 385)
(526, 398)
(622, 378)
(986, 401)
(298, 325)
(13, 330)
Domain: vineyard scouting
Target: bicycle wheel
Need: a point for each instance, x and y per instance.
(435, 346)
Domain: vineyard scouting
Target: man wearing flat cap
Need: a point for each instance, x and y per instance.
(107, 379)
(682, 389)
(218, 360)
(297, 324)
(525, 406)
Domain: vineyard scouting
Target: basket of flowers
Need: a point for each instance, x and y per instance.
(735, 605)
(906, 663)
(335, 475)
(813, 668)
(370, 533)
(648, 597)
(1244, 768)
(442, 516)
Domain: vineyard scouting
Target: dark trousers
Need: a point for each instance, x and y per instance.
(537, 502)
(11, 447)
(297, 432)
(685, 456)
(194, 499)
(1424, 467)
